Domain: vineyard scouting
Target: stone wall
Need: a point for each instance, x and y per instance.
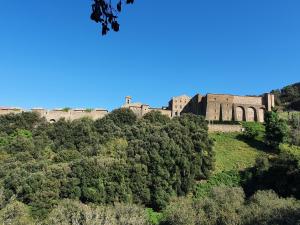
(224, 128)
(248, 100)
(219, 107)
(8, 110)
(56, 114)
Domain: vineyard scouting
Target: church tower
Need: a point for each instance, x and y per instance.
(127, 100)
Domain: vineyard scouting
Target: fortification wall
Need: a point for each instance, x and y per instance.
(7, 110)
(56, 114)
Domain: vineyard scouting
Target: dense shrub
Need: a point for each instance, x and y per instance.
(73, 212)
(276, 130)
(281, 174)
(228, 178)
(16, 213)
(252, 130)
(228, 206)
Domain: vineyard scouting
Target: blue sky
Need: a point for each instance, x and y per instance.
(52, 54)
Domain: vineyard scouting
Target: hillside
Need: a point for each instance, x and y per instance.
(288, 98)
(234, 153)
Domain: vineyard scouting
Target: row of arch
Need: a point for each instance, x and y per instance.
(249, 114)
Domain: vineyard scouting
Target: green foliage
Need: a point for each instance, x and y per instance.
(266, 208)
(253, 130)
(228, 206)
(22, 121)
(266, 173)
(288, 97)
(230, 178)
(290, 149)
(156, 117)
(154, 217)
(73, 212)
(294, 122)
(116, 159)
(16, 213)
(234, 153)
(121, 117)
(276, 130)
(180, 212)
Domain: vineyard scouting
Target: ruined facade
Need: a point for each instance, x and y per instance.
(214, 107)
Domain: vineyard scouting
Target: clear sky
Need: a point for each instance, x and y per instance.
(52, 54)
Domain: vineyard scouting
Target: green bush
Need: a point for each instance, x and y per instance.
(230, 178)
(276, 130)
(266, 173)
(73, 212)
(229, 206)
(253, 130)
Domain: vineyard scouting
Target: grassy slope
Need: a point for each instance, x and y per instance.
(233, 153)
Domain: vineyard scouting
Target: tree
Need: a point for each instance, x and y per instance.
(266, 173)
(105, 13)
(16, 213)
(276, 130)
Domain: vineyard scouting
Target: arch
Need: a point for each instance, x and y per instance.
(240, 113)
(251, 114)
(261, 113)
(52, 121)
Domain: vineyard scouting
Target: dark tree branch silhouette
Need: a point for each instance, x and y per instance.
(105, 13)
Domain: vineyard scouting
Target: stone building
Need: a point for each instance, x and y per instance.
(214, 107)
(141, 109)
(223, 107)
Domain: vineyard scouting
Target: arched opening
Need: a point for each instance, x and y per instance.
(240, 114)
(251, 114)
(52, 121)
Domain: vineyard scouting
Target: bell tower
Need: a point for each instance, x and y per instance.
(128, 100)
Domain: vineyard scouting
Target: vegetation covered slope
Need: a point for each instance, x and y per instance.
(115, 159)
(288, 97)
(108, 171)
